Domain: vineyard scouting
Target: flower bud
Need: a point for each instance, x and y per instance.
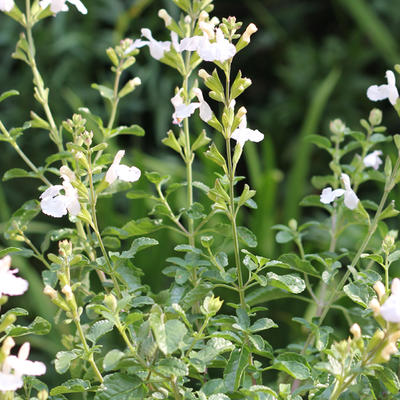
(379, 288)
(293, 224)
(43, 395)
(65, 248)
(165, 16)
(211, 305)
(68, 292)
(375, 306)
(390, 349)
(64, 170)
(337, 127)
(208, 29)
(110, 301)
(388, 244)
(188, 19)
(248, 32)
(375, 117)
(203, 16)
(204, 74)
(355, 331)
(241, 113)
(49, 291)
(7, 346)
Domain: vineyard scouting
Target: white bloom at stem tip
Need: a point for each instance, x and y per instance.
(121, 171)
(382, 92)
(10, 284)
(6, 5)
(350, 198)
(390, 309)
(373, 160)
(242, 134)
(182, 110)
(57, 205)
(15, 367)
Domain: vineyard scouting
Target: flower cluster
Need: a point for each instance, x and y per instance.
(350, 198)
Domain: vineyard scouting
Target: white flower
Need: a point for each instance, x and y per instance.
(350, 198)
(389, 91)
(220, 50)
(182, 110)
(204, 109)
(157, 49)
(390, 309)
(6, 5)
(56, 205)
(120, 171)
(59, 5)
(9, 283)
(328, 195)
(15, 367)
(137, 44)
(242, 134)
(373, 160)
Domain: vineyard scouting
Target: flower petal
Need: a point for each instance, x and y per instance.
(79, 5)
(10, 382)
(128, 174)
(350, 199)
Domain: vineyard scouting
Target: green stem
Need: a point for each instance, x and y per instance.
(23, 155)
(42, 92)
(95, 227)
(115, 99)
(85, 346)
(232, 217)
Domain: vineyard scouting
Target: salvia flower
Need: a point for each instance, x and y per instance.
(60, 5)
(350, 198)
(373, 160)
(121, 171)
(219, 50)
(10, 284)
(157, 48)
(390, 309)
(57, 204)
(15, 367)
(6, 5)
(382, 92)
(204, 109)
(182, 110)
(242, 134)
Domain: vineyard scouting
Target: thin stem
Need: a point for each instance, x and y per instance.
(232, 217)
(115, 99)
(38, 254)
(42, 92)
(95, 226)
(23, 155)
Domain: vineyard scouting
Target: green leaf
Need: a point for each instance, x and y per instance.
(63, 360)
(9, 250)
(134, 130)
(293, 364)
(7, 94)
(119, 387)
(172, 367)
(98, 329)
(359, 292)
(389, 379)
(112, 359)
(291, 283)
(296, 263)
(262, 324)
(196, 294)
(171, 142)
(39, 326)
(138, 227)
(201, 141)
(284, 237)
(394, 256)
(71, 386)
(320, 141)
(104, 91)
(18, 173)
(376, 257)
(139, 245)
(247, 236)
(169, 335)
(214, 155)
(237, 363)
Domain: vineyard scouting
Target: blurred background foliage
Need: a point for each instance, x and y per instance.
(310, 62)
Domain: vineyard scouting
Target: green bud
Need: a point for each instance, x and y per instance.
(112, 55)
(337, 127)
(43, 395)
(7, 321)
(293, 224)
(111, 302)
(65, 248)
(207, 241)
(375, 117)
(388, 167)
(397, 141)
